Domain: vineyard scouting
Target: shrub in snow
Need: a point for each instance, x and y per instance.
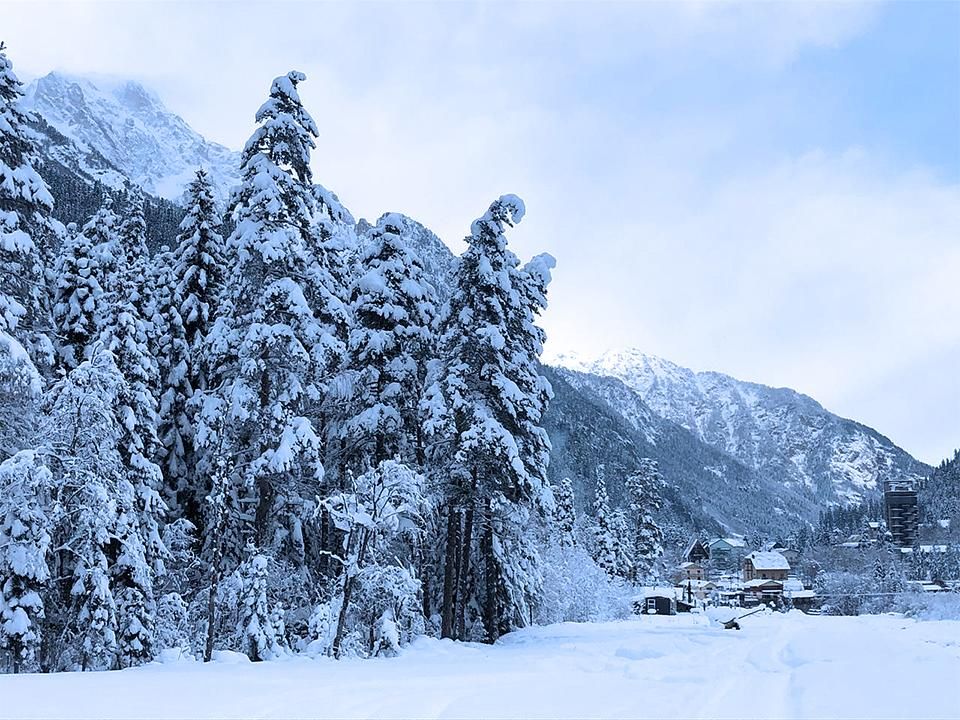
(576, 589)
(173, 628)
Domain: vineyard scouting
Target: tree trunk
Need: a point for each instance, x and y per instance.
(464, 573)
(342, 619)
(450, 573)
(348, 582)
(212, 610)
(491, 616)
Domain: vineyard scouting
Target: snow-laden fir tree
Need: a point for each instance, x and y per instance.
(260, 627)
(393, 308)
(187, 310)
(273, 345)
(82, 300)
(604, 544)
(82, 433)
(27, 232)
(127, 340)
(565, 517)
(132, 582)
(20, 390)
(485, 404)
(134, 272)
(644, 489)
(25, 486)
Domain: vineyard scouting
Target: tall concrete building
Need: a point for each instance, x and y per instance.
(900, 506)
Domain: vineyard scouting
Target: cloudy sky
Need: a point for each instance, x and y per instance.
(772, 191)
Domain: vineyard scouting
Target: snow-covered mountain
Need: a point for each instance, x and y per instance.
(779, 432)
(128, 126)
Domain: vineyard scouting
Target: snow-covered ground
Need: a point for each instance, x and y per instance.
(777, 666)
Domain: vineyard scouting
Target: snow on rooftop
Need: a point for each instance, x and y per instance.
(768, 560)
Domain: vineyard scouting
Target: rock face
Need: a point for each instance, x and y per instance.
(787, 436)
(129, 127)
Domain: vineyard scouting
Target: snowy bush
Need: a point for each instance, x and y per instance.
(173, 629)
(576, 589)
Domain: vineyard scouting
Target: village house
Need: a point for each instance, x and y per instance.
(691, 571)
(726, 552)
(765, 565)
(697, 552)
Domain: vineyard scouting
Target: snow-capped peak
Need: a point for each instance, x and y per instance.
(129, 125)
(777, 431)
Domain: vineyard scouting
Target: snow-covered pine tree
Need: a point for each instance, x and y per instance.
(604, 544)
(134, 272)
(260, 627)
(20, 392)
(27, 232)
(274, 344)
(82, 432)
(131, 580)
(644, 492)
(188, 310)
(393, 309)
(565, 517)
(25, 485)
(486, 400)
(126, 338)
(81, 303)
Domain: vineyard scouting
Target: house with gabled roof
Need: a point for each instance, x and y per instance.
(696, 552)
(765, 565)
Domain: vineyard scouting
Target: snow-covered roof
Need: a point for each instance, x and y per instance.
(695, 584)
(732, 542)
(759, 582)
(792, 584)
(768, 560)
(670, 592)
(799, 594)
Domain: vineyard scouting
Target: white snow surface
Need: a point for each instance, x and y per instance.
(685, 666)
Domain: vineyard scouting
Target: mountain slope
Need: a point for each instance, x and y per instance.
(778, 432)
(129, 127)
(595, 419)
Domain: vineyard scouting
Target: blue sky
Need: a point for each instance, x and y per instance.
(770, 190)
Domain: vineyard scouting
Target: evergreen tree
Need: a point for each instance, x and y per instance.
(136, 414)
(27, 232)
(390, 342)
(274, 345)
(260, 626)
(485, 405)
(105, 529)
(604, 544)
(188, 310)
(82, 295)
(644, 491)
(565, 513)
(20, 389)
(25, 485)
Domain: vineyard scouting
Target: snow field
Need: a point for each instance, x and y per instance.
(686, 666)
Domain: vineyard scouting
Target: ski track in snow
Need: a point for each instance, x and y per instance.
(686, 666)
